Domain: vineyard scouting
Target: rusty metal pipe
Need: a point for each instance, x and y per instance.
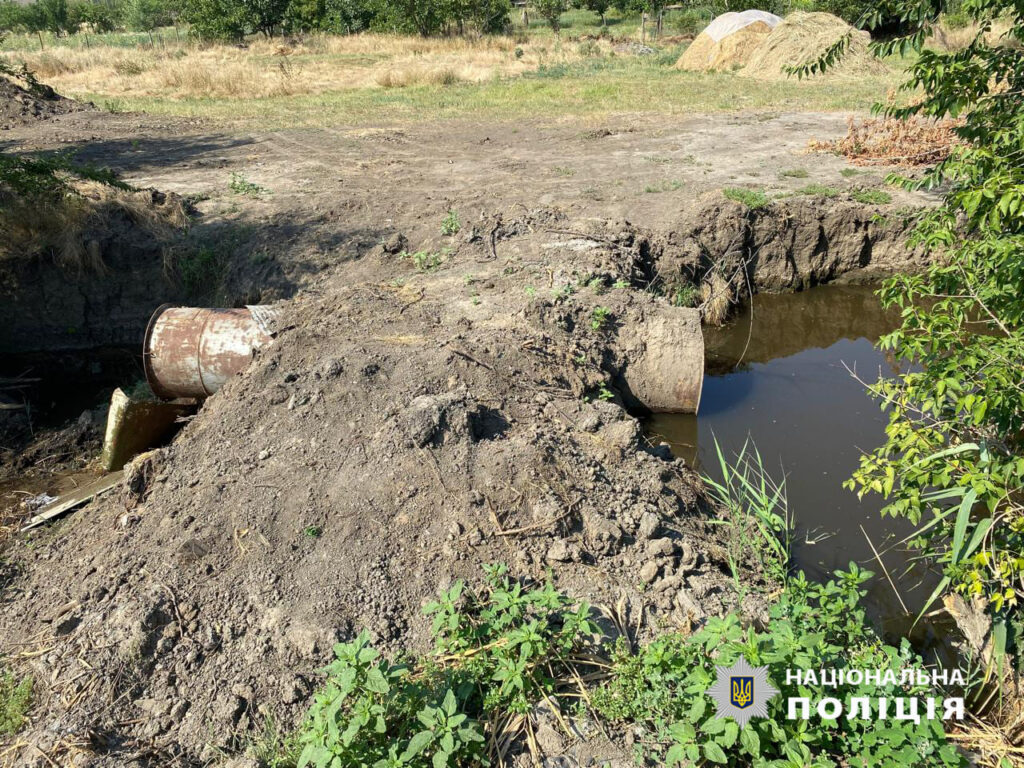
(193, 351)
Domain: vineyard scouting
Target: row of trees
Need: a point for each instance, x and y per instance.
(61, 17)
(233, 19)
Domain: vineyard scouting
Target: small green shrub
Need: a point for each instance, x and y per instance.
(795, 173)
(202, 271)
(660, 692)
(373, 712)
(687, 295)
(450, 225)
(496, 651)
(850, 172)
(424, 261)
(871, 196)
(15, 701)
(600, 318)
(752, 198)
(240, 185)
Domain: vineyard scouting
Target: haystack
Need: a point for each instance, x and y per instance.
(802, 38)
(728, 41)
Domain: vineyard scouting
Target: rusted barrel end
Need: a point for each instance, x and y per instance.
(193, 351)
(665, 359)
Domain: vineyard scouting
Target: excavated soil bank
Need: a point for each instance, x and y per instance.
(424, 420)
(423, 428)
(22, 107)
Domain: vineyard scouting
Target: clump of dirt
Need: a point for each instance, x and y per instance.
(408, 425)
(803, 38)
(19, 106)
(913, 142)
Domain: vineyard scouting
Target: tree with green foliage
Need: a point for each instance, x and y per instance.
(12, 16)
(54, 15)
(551, 11)
(424, 17)
(147, 15)
(600, 7)
(348, 16)
(489, 17)
(264, 16)
(215, 19)
(953, 459)
(96, 17)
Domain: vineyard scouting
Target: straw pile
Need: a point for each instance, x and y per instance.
(733, 52)
(802, 38)
(728, 42)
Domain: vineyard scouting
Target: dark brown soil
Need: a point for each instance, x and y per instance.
(422, 425)
(22, 107)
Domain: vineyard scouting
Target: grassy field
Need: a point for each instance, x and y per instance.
(384, 79)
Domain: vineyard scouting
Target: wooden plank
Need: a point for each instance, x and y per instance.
(81, 496)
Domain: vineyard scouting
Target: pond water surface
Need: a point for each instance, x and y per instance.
(782, 375)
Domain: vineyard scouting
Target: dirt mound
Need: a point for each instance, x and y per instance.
(409, 424)
(728, 42)
(22, 107)
(802, 38)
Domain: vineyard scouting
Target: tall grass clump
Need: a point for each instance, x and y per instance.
(755, 512)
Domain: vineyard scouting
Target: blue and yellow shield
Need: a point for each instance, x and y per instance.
(741, 691)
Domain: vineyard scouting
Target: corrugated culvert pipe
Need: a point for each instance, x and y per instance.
(193, 351)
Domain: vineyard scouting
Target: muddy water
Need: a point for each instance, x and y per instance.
(781, 375)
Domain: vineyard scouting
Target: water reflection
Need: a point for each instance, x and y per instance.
(784, 380)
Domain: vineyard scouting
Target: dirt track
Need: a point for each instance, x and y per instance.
(369, 180)
(423, 421)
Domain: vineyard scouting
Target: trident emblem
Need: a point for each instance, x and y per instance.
(742, 691)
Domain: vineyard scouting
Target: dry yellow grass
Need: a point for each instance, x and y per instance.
(947, 38)
(802, 38)
(716, 299)
(317, 64)
(62, 227)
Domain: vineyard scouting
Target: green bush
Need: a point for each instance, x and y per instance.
(501, 651)
(497, 651)
(812, 627)
(372, 712)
